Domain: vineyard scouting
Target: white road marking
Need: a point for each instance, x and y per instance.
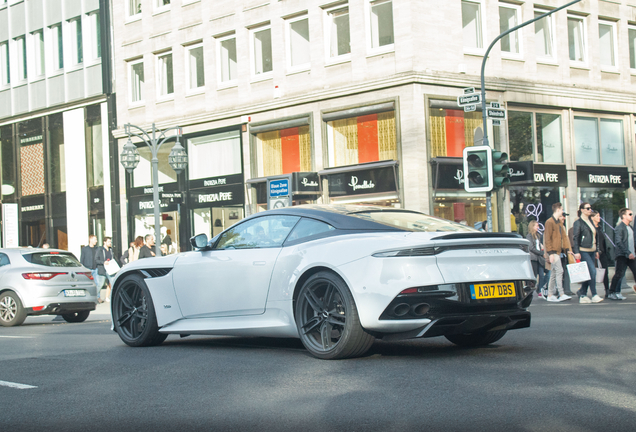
(17, 337)
(16, 385)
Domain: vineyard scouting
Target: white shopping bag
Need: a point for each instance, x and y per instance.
(578, 272)
(112, 267)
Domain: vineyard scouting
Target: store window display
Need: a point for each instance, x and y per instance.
(531, 203)
(534, 136)
(283, 151)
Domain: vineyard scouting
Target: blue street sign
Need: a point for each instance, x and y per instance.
(279, 188)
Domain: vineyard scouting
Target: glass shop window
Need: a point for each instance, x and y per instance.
(452, 130)
(535, 137)
(599, 141)
(283, 151)
(214, 155)
(367, 138)
(142, 175)
(58, 160)
(31, 157)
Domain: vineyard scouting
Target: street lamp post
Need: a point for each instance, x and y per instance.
(178, 160)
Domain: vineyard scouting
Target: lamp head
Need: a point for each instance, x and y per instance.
(129, 156)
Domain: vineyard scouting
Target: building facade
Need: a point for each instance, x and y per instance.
(356, 102)
(55, 121)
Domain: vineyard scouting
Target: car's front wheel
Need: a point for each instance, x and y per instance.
(76, 317)
(327, 319)
(476, 339)
(12, 313)
(134, 313)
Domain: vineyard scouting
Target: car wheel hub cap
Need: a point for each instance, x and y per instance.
(8, 309)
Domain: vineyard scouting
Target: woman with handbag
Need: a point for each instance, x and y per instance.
(536, 253)
(603, 251)
(585, 248)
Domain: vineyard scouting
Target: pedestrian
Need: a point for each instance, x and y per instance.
(536, 253)
(146, 250)
(103, 255)
(624, 251)
(133, 254)
(87, 259)
(567, 258)
(603, 251)
(557, 244)
(585, 248)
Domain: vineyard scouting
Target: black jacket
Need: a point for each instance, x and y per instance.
(145, 252)
(101, 256)
(582, 236)
(536, 254)
(620, 237)
(87, 257)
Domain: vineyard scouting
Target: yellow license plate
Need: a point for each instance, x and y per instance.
(494, 290)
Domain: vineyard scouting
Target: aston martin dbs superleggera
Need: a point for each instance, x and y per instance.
(337, 277)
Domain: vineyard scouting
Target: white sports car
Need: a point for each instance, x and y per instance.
(337, 277)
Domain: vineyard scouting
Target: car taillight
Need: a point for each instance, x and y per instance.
(41, 276)
(87, 274)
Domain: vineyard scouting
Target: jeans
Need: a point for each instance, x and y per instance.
(556, 279)
(590, 260)
(622, 262)
(540, 271)
(546, 279)
(97, 280)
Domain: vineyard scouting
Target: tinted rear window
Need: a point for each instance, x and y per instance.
(412, 221)
(59, 259)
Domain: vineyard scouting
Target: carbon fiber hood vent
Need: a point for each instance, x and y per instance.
(156, 272)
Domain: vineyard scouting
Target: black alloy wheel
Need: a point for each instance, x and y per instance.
(327, 319)
(134, 313)
(12, 313)
(76, 317)
(476, 339)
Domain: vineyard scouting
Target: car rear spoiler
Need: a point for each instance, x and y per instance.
(466, 235)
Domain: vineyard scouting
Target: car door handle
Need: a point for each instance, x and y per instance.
(259, 263)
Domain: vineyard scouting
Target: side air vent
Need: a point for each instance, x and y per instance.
(156, 272)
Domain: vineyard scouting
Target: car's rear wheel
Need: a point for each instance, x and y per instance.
(476, 339)
(12, 313)
(134, 313)
(76, 317)
(327, 319)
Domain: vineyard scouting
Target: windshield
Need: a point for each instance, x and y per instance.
(53, 259)
(412, 221)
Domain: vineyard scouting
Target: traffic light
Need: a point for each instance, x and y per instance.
(500, 170)
(477, 169)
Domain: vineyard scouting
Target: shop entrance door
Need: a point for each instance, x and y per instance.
(33, 233)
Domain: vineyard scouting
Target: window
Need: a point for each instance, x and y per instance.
(607, 43)
(55, 259)
(5, 65)
(57, 161)
(142, 176)
(411, 221)
(631, 32)
(21, 49)
(136, 81)
(94, 35)
(266, 231)
(194, 66)
(38, 52)
(381, 23)
(94, 146)
(338, 32)
(162, 3)
(165, 84)
(283, 151)
(366, 138)
(308, 228)
(576, 39)
(58, 47)
(298, 37)
(472, 25)
(7, 162)
(544, 36)
(589, 139)
(227, 59)
(509, 18)
(134, 7)
(77, 50)
(262, 50)
(4, 260)
(535, 137)
(214, 155)
(454, 129)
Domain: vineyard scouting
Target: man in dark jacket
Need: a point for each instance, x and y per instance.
(103, 255)
(624, 251)
(87, 257)
(146, 250)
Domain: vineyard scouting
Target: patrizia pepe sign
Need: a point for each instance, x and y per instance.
(602, 177)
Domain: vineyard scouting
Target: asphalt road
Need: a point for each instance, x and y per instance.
(573, 370)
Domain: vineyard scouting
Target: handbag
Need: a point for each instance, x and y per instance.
(578, 272)
(111, 267)
(600, 272)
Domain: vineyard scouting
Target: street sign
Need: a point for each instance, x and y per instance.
(471, 99)
(495, 105)
(469, 90)
(495, 113)
(470, 108)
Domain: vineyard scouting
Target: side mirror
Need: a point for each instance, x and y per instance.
(199, 241)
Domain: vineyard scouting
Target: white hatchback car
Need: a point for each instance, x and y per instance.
(44, 282)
